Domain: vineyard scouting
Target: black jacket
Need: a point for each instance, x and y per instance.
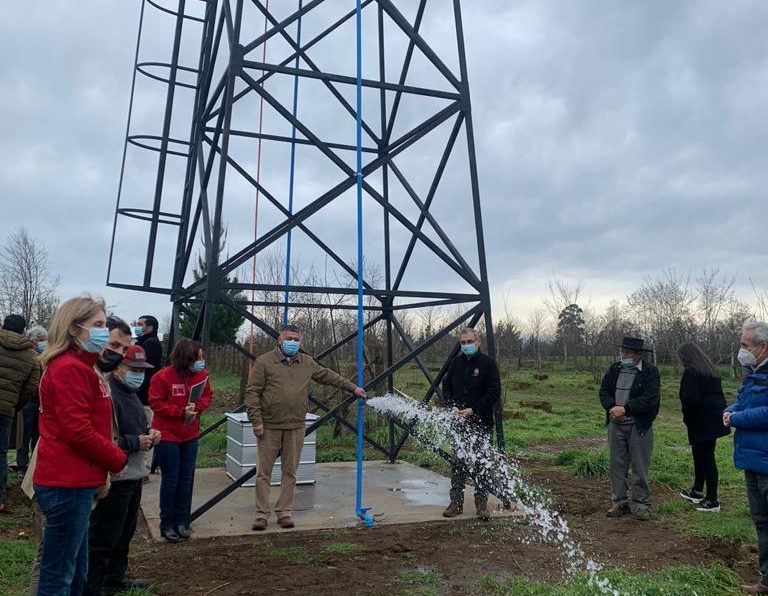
(154, 350)
(473, 383)
(644, 396)
(130, 415)
(703, 402)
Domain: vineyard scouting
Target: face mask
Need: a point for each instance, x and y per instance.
(468, 349)
(137, 331)
(40, 347)
(133, 379)
(97, 339)
(746, 358)
(109, 360)
(197, 366)
(290, 347)
(627, 362)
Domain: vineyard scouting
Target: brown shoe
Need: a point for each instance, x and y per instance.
(285, 522)
(642, 514)
(757, 588)
(618, 510)
(453, 510)
(4, 508)
(259, 525)
(483, 514)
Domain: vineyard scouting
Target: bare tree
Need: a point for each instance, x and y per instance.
(561, 294)
(662, 308)
(26, 284)
(713, 293)
(535, 327)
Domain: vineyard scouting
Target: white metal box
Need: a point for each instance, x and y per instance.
(242, 451)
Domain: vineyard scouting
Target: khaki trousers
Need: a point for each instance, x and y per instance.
(273, 443)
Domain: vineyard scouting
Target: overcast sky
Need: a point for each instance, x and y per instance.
(614, 139)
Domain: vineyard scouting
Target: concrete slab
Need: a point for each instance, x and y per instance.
(397, 494)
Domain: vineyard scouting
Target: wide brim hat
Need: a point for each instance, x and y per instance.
(136, 357)
(633, 343)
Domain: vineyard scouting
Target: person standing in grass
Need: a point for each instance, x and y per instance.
(748, 416)
(630, 394)
(703, 402)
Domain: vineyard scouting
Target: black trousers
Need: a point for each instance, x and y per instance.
(757, 493)
(113, 524)
(460, 472)
(705, 468)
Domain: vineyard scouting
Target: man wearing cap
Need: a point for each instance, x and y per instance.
(113, 521)
(630, 395)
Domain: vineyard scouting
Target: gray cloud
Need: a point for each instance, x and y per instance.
(615, 139)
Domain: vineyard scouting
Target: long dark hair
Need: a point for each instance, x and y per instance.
(694, 358)
(184, 355)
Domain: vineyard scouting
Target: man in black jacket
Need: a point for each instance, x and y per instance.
(630, 395)
(148, 340)
(471, 386)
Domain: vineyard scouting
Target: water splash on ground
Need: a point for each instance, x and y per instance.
(442, 431)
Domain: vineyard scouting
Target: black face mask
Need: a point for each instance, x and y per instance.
(109, 360)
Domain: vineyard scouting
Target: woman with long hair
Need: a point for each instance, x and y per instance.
(703, 402)
(75, 448)
(178, 394)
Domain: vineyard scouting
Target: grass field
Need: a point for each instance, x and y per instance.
(558, 439)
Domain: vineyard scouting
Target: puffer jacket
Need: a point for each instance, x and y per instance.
(750, 419)
(19, 372)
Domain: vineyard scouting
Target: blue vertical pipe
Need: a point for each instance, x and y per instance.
(362, 512)
(293, 167)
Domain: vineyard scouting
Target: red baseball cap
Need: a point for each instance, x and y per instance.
(136, 357)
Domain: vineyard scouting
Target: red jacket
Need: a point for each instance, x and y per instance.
(169, 395)
(75, 448)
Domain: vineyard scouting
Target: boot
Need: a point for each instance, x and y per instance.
(453, 509)
(481, 509)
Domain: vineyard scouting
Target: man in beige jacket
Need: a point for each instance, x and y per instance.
(277, 400)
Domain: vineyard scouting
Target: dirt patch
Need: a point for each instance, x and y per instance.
(453, 556)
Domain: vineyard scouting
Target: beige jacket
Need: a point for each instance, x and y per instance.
(277, 394)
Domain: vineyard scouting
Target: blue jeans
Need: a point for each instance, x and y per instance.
(64, 563)
(5, 438)
(177, 464)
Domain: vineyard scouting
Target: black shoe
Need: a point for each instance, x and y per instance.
(170, 535)
(183, 532)
(708, 505)
(692, 495)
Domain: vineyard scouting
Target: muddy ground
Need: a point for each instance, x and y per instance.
(392, 559)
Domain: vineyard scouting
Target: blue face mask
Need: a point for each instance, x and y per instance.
(627, 362)
(40, 347)
(468, 349)
(133, 379)
(290, 347)
(97, 339)
(197, 366)
(137, 331)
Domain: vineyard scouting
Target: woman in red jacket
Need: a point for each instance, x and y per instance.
(178, 394)
(75, 449)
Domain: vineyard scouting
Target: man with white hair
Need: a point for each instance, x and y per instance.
(748, 415)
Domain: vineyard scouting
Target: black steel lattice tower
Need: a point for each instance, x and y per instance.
(190, 171)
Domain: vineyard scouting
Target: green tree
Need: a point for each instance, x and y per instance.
(225, 322)
(570, 329)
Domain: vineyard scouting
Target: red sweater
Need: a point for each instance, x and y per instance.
(168, 396)
(75, 448)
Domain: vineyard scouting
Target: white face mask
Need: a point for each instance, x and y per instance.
(746, 358)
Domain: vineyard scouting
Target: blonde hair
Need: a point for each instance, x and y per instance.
(74, 311)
